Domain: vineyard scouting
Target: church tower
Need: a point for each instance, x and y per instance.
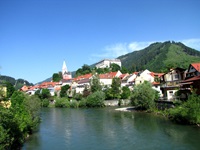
(66, 75)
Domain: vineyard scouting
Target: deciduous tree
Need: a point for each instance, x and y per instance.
(143, 96)
(115, 87)
(95, 83)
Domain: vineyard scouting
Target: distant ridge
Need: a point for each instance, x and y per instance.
(160, 56)
(18, 83)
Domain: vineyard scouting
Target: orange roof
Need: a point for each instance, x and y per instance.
(135, 73)
(24, 88)
(47, 84)
(58, 88)
(196, 66)
(34, 87)
(86, 76)
(153, 74)
(123, 75)
(109, 75)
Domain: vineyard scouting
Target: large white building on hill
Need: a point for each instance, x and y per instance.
(107, 62)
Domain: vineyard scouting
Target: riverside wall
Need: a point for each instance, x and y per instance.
(115, 102)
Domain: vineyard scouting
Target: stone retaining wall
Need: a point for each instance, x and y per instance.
(115, 102)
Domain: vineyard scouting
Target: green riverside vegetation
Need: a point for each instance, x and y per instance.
(18, 121)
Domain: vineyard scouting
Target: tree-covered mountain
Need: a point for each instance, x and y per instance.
(159, 57)
(17, 83)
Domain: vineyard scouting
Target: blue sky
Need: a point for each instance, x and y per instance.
(37, 35)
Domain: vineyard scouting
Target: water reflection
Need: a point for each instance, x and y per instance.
(109, 129)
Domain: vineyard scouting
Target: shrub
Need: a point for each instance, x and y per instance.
(45, 103)
(62, 102)
(143, 96)
(96, 99)
(125, 92)
(78, 96)
(82, 103)
(188, 112)
(74, 104)
(64, 89)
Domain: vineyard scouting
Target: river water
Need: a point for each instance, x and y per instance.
(108, 129)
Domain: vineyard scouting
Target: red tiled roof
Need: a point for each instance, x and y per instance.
(86, 76)
(47, 84)
(58, 88)
(34, 87)
(153, 74)
(136, 73)
(123, 75)
(109, 75)
(84, 81)
(196, 66)
(24, 88)
(191, 79)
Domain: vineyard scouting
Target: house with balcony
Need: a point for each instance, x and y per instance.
(170, 82)
(129, 80)
(192, 79)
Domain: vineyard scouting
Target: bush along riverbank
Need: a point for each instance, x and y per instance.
(18, 121)
(183, 112)
(187, 112)
(95, 99)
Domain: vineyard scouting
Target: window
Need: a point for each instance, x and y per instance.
(176, 76)
(171, 93)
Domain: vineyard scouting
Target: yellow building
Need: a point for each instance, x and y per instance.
(3, 91)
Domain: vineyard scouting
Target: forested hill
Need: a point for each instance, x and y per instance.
(159, 57)
(17, 83)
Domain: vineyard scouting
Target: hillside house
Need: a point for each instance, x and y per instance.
(144, 76)
(193, 70)
(129, 80)
(170, 82)
(192, 79)
(156, 83)
(106, 79)
(107, 62)
(81, 82)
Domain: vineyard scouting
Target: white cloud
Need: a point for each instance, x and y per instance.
(139, 45)
(193, 43)
(118, 49)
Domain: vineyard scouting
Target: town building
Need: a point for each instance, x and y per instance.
(192, 79)
(107, 62)
(170, 82)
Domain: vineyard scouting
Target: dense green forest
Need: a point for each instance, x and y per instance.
(17, 83)
(159, 57)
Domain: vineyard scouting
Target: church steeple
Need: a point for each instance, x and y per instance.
(66, 75)
(64, 68)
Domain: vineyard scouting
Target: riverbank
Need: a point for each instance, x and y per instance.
(125, 109)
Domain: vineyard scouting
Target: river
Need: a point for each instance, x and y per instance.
(108, 129)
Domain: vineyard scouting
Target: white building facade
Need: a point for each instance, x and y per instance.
(107, 62)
